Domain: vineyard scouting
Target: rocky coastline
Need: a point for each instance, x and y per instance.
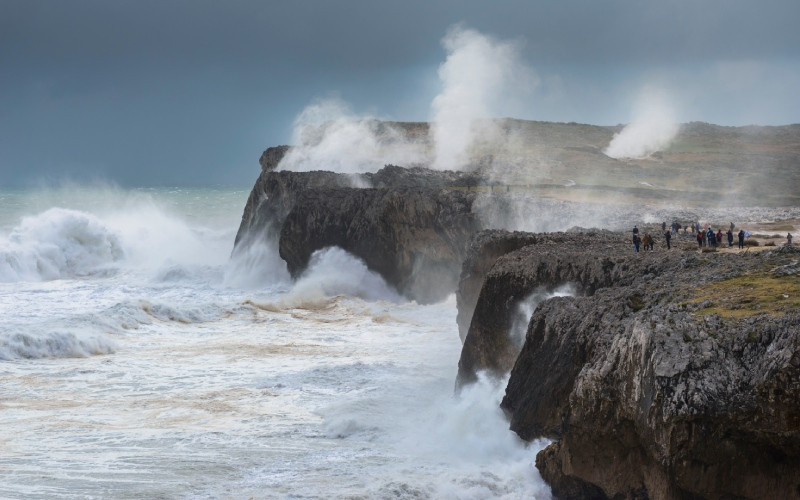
(646, 389)
(411, 226)
(655, 378)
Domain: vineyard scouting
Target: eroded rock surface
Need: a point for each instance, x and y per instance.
(484, 249)
(411, 225)
(647, 392)
(415, 238)
(588, 260)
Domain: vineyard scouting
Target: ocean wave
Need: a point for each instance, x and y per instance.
(332, 272)
(53, 344)
(58, 243)
(132, 314)
(136, 234)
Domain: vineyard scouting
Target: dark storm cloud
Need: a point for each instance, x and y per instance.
(143, 92)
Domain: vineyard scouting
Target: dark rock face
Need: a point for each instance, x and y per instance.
(484, 249)
(646, 395)
(415, 238)
(273, 197)
(392, 176)
(272, 157)
(588, 260)
(411, 230)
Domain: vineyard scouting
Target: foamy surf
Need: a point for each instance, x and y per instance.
(181, 374)
(53, 344)
(58, 243)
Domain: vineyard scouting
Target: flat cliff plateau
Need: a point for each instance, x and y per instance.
(669, 374)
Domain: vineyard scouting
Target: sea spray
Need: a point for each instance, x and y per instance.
(481, 78)
(189, 382)
(653, 127)
(328, 135)
(58, 243)
(526, 307)
(332, 271)
(255, 263)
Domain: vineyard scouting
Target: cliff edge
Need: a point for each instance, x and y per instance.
(666, 375)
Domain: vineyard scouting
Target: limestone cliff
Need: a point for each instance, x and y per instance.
(410, 225)
(667, 376)
(415, 238)
(484, 249)
(587, 260)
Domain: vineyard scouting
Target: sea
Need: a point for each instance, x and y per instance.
(139, 359)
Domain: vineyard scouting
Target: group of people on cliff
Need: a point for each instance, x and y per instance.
(706, 236)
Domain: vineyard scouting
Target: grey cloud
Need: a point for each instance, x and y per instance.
(146, 91)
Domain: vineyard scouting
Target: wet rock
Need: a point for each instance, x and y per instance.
(484, 249)
(588, 260)
(645, 397)
(415, 238)
(413, 230)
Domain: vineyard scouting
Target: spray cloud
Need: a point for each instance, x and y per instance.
(480, 76)
(330, 136)
(653, 127)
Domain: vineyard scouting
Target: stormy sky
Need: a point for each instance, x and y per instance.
(189, 92)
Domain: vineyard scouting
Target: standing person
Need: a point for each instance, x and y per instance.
(635, 232)
(712, 239)
(789, 239)
(719, 237)
(668, 236)
(741, 238)
(730, 237)
(636, 242)
(700, 239)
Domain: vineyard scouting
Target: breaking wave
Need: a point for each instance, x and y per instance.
(53, 344)
(58, 243)
(332, 271)
(62, 243)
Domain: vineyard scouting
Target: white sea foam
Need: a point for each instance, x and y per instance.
(58, 243)
(182, 378)
(526, 307)
(138, 234)
(332, 271)
(53, 344)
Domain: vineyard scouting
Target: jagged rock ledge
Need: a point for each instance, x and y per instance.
(647, 389)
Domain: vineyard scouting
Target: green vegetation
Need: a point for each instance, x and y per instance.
(748, 295)
(637, 302)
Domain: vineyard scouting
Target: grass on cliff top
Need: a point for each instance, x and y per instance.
(750, 295)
